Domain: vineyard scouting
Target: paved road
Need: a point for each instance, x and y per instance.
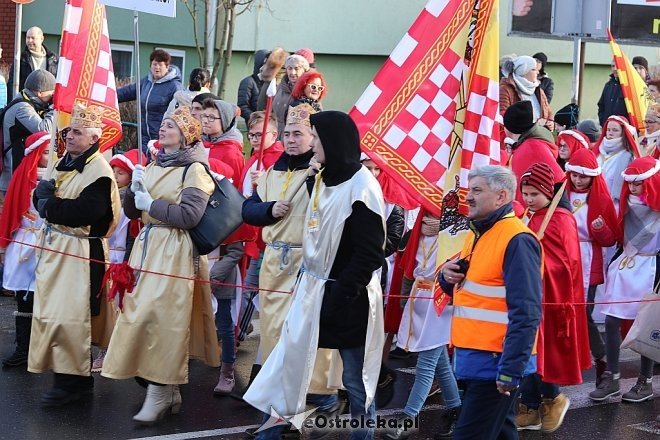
(107, 415)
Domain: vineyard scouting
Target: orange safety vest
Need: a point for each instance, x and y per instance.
(480, 312)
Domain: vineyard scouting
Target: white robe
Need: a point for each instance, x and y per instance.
(284, 379)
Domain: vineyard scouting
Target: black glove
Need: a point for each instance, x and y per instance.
(43, 192)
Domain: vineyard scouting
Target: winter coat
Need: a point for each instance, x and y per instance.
(26, 69)
(155, 97)
(548, 87)
(509, 95)
(249, 87)
(281, 104)
(611, 101)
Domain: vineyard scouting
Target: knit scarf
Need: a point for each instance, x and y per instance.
(38, 59)
(609, 147)
(525, 87)
(641, 225)
(182, 157)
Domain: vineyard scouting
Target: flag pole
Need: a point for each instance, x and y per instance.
(270, 93)
(136, 55)
(17, 49)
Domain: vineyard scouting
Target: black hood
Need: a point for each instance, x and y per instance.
(259, 60)
(341, 144)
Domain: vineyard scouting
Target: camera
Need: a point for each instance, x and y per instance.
(463, 266)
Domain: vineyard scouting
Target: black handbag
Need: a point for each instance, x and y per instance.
(222, 215)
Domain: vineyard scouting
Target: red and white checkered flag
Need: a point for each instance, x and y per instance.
(85, 74)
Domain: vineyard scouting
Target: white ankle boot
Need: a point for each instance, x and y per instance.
(159, 400)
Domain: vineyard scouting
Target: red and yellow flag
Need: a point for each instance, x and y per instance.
(430, 114)
(635, 91)
(85, 74)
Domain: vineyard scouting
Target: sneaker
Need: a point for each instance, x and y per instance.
(553, 411)
(403, 431)
(608, 387)
(97, 365)
(528, 419)
(641, 391)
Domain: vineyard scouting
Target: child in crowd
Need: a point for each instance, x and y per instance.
(20, 221)
(632, 274)
(563, 344)
(121, 241)
(569, 141)
(598, 227)
(423, 330)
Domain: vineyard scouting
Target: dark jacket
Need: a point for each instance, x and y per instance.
(522, 278)
(548, 87)
(394, 227)
(611, 101)
(257, 212)
(155, 97)
(26, 69)
(249, 87)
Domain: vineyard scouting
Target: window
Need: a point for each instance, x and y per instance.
(178, 59)
(122, 60)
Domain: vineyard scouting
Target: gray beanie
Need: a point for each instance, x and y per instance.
(40, 81)
(590, 128)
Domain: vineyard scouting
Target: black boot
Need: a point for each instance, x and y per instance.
(253, 373)
(448, 420)
(23, 329)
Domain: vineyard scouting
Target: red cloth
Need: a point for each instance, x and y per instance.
(650, 186)
(393, 309)
(231, 153)
(395, 194)
(271, 154)
(629, 133)
(599, 203)
(22, 183)
(529, 152)
(574, 140)
(219, 167)
(563, 343)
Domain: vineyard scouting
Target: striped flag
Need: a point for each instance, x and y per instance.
(85, 74)
(635, 92)
(431, 113)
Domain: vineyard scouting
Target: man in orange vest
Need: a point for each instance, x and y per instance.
(496, 285)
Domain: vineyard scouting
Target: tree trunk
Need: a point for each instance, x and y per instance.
(221, 39)
(228, 50)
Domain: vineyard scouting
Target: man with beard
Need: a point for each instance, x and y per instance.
(79, 203)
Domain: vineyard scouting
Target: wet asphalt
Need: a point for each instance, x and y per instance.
(108, 413)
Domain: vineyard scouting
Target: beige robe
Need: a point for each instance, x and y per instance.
(62, 328)
(165, 320)
(280, 266)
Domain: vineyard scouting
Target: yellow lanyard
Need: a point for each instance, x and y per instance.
(69, 174)
(317, 185)
(426, 255)
(287, 182)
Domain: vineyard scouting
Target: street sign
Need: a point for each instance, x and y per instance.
(166, 8)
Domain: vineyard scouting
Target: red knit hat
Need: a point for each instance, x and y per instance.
(23, 181)
(599, 200)
(644, 169)
(629, 133)
(128, 160)
(307, 54)
(573, 139)
(541, 177)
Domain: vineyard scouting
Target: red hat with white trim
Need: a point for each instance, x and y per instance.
(36, 140)
(573, 139)
(645, 170)
(128, 160)
(629, 133)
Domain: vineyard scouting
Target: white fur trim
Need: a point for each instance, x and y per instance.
(122, 158)
(152, 147)
(591, 172)
(576, 136)
(36, 144)
(645, 175)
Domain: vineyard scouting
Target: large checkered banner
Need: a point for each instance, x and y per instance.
(430, 114)
(85, 75)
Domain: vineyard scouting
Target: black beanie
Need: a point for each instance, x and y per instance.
(641, 61)
(519, 117)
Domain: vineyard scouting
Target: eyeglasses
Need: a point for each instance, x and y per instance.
(209, 118)
(563, 147)
(256, 135)
(315, 88)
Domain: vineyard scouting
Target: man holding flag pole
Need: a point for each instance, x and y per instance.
(79, 202)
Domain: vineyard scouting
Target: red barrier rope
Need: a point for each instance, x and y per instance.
(248, 287)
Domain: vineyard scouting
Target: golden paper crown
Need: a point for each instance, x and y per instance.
(189, 126)
(300, 115)
(88, 117)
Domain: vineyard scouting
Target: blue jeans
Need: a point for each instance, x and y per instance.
(353, 360)
(430, 363)
(486, 414)
(225, 329)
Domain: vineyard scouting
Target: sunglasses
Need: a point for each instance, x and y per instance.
(315, 88)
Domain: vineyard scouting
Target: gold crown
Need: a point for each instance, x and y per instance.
(300, 115)
(88, 117)
(189, 126)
